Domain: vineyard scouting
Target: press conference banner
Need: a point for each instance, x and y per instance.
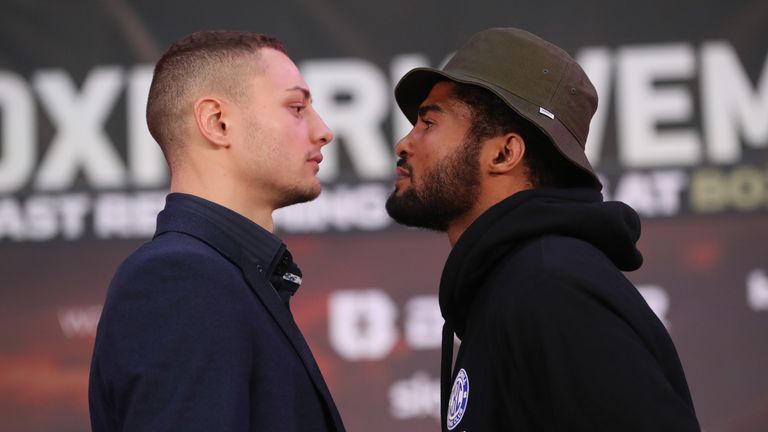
(680, 134)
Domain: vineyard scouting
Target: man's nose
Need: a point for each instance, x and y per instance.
(322, 134)
(404, 146)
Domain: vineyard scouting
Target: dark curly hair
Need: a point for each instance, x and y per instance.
(491, 116)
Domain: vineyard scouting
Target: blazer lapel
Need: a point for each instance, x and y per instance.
(281, 314)
(197, 226)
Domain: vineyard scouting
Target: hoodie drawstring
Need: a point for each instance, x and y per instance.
(446, 366)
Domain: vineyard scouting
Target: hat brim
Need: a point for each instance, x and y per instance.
(415, 86)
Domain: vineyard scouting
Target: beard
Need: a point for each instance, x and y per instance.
(444, 192)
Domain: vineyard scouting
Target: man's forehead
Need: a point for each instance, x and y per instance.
(280, 75)
(442, 98)
(278, 66)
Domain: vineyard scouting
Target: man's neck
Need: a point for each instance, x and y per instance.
(460, 224)
(228, 197)
(486, 200)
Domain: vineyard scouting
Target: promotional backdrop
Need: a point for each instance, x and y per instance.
(680, 134)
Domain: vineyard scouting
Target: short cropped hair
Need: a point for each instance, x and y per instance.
(492, 117)
(209, 60)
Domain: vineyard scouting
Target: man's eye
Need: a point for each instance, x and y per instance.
(427, 123)
(298, 108)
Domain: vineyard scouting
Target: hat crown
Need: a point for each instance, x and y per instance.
(533, 69)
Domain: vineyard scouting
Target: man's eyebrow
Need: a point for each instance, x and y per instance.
(426, 109)
(307, 94)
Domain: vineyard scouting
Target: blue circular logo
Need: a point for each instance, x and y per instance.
(457, 405)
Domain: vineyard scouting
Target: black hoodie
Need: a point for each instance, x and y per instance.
(553, 336)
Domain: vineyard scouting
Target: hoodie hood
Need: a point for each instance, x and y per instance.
(612, 227)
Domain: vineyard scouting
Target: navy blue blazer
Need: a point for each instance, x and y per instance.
(193, 337)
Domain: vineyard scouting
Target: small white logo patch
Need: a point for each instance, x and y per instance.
(290, 277)
(546, 112)
(457, 404)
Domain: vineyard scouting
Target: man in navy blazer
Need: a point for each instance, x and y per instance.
(196, 332)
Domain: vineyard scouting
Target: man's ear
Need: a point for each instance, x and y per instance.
(211, 121)
(504, 153)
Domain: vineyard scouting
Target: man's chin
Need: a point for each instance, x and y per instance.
(298, 196)
(406, 209)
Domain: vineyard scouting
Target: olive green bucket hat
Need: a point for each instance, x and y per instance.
(537, 79)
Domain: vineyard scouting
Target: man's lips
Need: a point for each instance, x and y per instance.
(402, 173)
(317, 158)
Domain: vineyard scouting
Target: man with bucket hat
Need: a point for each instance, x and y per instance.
(553, 336)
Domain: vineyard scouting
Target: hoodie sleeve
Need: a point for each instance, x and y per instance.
(583, 366)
